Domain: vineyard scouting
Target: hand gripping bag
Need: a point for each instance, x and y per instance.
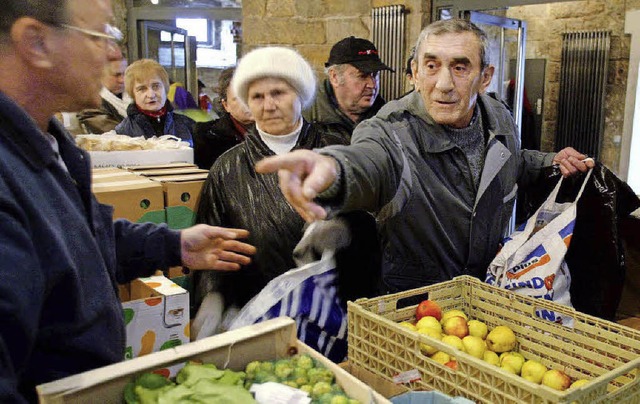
(532, 259)
(309, 295)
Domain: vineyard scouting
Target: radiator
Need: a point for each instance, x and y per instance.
(388, 36)
(583, 79)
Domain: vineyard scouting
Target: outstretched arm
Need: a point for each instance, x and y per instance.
(303, 175)
(211, 247)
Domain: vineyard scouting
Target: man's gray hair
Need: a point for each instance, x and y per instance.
(457, 26)
(52, 12)
(339, 69)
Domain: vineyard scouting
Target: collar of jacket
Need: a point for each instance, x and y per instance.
(373, 109)
(21, 130)
(438, 140)
(132, 109)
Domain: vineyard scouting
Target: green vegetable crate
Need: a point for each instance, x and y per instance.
(606, 353)
(269, 340)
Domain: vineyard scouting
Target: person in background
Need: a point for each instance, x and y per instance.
(151, 114)
(180, 97)
(439, 167)
(351, 93)
(213, 138)
(62, 254)
(204, 101)
(114, 100)
(407, 71)
(276, 83)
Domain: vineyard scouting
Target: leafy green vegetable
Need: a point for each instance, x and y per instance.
(192, 372)
(152, 381)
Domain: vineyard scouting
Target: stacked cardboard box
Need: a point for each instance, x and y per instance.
(157, 309)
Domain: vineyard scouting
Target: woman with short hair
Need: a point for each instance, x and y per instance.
(146, 81)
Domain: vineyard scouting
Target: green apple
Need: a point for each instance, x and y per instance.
(428, 349)
(501, 339)
(474, 346)
(429, 322)
(513, 359)
(408, 325)
(477, 328)
(508, 368)
(441, 357)
(533, 371)
(452, 313)
(491, 358)
(454, 341)
(556, 379)
(578, 383)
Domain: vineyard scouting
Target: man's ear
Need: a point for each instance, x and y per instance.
(414, 73)
(333, 77)
(225, 105)
(32, 41)
(486, 76)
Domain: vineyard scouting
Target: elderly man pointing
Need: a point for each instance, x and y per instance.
(439, 167)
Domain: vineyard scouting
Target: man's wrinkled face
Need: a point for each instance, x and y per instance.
(355, 90)
(448, 73)
(236, 108)
(81, 57)
(113, 78)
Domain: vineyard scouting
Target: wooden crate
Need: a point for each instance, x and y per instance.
(272, 339)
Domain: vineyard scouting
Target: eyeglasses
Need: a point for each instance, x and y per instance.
(110, 33)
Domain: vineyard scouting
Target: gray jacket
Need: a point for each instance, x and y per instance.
(434, 224)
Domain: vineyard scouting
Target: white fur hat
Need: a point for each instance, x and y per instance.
(275, 61)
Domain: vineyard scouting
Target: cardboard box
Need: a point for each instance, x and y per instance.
(156, 316)
(140, 157)
(273, 339)
(181, 187)
(134, 198)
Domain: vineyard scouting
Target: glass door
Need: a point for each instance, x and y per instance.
(172, 48)
(507, 37)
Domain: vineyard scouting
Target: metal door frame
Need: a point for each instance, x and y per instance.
(507, 23)
(143, 49)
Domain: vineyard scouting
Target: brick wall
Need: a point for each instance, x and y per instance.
(545, 25)
(313, 26)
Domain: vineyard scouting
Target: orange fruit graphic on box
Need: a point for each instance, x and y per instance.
(146, 342)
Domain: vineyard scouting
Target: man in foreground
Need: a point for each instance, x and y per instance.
(62, 255)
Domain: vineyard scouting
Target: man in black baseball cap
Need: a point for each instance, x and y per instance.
(350, 94)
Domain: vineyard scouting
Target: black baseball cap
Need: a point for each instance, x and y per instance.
(358, 52)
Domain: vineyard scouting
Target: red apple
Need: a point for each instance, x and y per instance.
(457, 326)
(428, 308)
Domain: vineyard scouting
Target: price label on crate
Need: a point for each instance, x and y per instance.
(407, 377)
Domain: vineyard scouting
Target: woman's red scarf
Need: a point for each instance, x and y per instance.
(154, 114)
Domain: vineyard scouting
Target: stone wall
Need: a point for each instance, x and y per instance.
(545, 25)
(313, 26)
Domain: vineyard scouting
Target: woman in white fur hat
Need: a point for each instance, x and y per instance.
(276, 83)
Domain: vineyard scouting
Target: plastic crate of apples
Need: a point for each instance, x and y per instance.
(467, 338)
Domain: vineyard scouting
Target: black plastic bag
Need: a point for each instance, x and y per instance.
(596, 255)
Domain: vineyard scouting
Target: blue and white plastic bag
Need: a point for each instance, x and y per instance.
(531, 261)
(309, 295)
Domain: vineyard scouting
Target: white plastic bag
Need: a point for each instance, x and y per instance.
(307, 294)
(531, 261)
